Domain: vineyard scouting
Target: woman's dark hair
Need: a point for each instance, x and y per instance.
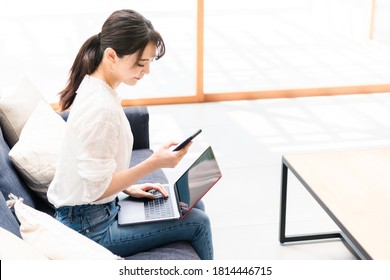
(125, 31)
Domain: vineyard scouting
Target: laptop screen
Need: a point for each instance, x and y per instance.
(199, 178)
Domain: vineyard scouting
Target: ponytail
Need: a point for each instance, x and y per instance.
(86, 62)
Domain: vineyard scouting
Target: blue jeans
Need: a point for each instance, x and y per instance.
(99, 222)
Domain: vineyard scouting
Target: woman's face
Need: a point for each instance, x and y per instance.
(130, 71)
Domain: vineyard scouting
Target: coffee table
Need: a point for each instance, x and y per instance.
(353, 187)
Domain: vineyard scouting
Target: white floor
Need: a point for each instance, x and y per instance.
(249, 138)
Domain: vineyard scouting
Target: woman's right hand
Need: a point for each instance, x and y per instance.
(166, 158)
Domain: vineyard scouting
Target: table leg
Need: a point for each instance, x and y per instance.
(283, 213)
(355, 249)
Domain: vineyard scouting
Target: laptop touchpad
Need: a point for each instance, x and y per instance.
(133, 211)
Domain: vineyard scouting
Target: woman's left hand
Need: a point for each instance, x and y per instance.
(142, 190)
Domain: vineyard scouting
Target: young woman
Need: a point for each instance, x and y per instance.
(93, 166)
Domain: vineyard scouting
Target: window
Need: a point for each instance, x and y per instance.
(216, 50)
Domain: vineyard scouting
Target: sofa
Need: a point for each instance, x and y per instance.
(11, 181)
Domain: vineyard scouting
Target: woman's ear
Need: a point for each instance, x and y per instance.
(110, 59)
(110, 54)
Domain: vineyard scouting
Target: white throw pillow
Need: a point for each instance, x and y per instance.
(14, 248)
(16, 108)
(37, 151)
(55, 240)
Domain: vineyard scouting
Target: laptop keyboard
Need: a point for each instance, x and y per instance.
(159, 207)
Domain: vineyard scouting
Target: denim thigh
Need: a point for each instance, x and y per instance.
(99, 223)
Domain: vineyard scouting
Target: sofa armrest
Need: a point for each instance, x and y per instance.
(138, 117)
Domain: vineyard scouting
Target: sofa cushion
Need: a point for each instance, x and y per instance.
(7, 218)
(37, 151)
(15, 109)
(157, 176)
(180, 250)
(10, 180)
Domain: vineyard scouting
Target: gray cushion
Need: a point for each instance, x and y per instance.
(157, 176)
(174, 251)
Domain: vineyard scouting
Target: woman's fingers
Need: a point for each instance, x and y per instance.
(148, 190)
(159, 188)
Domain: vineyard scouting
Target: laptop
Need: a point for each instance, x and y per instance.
(187, 191)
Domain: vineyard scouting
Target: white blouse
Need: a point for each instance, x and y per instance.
(98, 142)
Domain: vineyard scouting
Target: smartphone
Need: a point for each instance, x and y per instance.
(188, 140)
